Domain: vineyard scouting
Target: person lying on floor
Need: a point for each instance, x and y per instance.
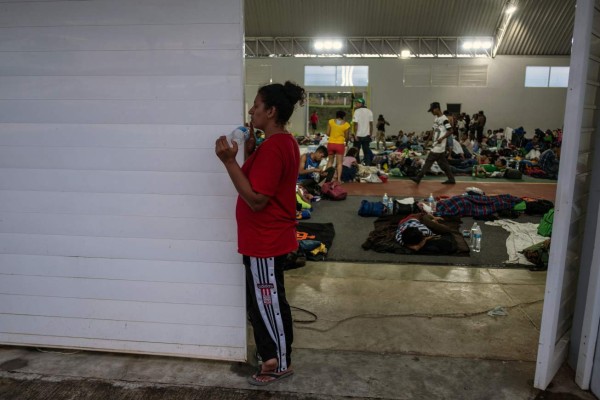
(487, 170)
(424, 234)
(469, 166)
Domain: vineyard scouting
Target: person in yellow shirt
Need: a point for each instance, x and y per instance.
(338, 131)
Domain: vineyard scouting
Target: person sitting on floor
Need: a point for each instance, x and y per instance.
(549, 161)
(350, 165)
(309, 168)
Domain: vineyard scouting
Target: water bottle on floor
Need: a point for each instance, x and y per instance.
(431, 202)
(390, 205)
(385, 200)
(472, 235)
(477, 240)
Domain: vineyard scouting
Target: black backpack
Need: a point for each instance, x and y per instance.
(513, 174)
(538, 207)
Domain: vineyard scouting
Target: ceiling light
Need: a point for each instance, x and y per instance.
(319, 45)
(486, 45)
(405, 54)
(477, 44)
(327, 44)
(511, 9)
(467, 45)
(337, 45)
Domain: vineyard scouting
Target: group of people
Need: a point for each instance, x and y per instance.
(266, 205)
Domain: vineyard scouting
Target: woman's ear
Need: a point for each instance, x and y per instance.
(271, 112)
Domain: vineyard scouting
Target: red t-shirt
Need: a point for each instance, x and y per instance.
(272, 170)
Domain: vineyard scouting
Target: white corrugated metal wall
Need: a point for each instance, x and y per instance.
(571, 206)
(117, 229)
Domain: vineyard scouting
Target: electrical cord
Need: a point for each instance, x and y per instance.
(305, 321)
(57, 352)
(413, 315)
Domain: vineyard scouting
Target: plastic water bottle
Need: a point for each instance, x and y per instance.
(477, 240)
(472, 236)
(385, 200)
(239, 135)
(390, 205)
(431, 202)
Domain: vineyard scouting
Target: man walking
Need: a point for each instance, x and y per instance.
(363, 129)
(441, 130)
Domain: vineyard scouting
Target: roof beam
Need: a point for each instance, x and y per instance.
(382, 47)
(502, 25)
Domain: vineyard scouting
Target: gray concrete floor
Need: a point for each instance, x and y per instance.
(382, 332)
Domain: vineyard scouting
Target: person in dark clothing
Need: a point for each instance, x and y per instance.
(481, 120)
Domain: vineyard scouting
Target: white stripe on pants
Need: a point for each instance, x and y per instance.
(265, 287)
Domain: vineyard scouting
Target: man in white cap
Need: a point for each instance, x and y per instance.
(363, 129)
(441, 130)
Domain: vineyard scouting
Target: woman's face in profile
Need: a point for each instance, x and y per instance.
(258, 113)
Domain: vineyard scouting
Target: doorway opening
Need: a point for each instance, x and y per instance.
(325, 104)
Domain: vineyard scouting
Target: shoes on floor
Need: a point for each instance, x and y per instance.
(415, 180)
(274, 377)
(448, 182)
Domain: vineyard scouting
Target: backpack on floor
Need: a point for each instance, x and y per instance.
(371, 208)
(511, 173)
(333, 191)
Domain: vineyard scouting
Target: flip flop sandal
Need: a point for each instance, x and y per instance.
(276, 377)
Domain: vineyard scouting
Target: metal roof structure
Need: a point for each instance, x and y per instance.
(428, 28)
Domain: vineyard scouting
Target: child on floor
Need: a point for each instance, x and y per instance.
(350, 165)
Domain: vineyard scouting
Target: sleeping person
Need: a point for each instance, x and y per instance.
(414, 234)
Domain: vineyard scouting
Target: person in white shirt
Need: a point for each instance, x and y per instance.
(363, 129)
(441, 130)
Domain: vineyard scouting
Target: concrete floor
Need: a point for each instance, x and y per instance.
(414, 309)
(382, 332)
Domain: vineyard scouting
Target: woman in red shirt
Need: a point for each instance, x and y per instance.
(266, 218)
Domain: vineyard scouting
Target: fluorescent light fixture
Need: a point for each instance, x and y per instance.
(405, 54)
(467, 45)
(477, 44)
(328, 44)
(511, 9)
(486, 45)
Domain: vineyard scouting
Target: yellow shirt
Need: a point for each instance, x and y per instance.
(336, 132)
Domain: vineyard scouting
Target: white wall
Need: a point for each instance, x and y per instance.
(505, 100)
(117, 227)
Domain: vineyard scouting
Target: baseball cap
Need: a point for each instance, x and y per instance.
(433, 105)
(360, 100)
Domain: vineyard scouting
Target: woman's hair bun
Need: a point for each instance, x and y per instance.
(294, 92)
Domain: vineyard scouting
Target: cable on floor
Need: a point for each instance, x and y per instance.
(305, 321)
(57, 352)
(417, 315)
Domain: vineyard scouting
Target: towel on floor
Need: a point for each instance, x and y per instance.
(521, 235)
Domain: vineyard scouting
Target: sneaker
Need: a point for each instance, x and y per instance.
(448, 182)
(415, 180)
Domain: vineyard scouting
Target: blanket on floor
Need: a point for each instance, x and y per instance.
(315, 239)
(383, 238)
(475, 205)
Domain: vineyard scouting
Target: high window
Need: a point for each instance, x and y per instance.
(547, 77)
(336, 75)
